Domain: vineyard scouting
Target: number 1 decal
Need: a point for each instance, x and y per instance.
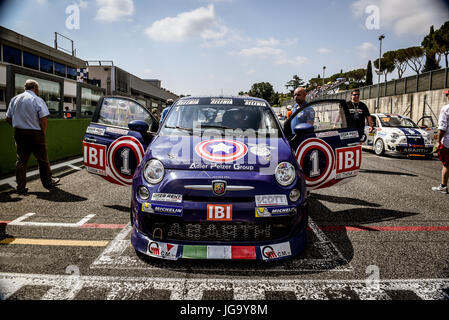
(315, 157)
(125, 167)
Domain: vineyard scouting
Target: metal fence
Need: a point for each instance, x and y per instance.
(432, 80)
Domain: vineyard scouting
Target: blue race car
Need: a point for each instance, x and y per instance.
(220, 179)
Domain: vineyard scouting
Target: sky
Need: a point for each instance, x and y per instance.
(208, 47)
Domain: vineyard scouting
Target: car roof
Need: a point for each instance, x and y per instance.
(207, 99)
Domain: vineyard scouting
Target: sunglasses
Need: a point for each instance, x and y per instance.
(356, 95)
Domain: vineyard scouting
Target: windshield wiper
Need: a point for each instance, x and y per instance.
(179, 128)
(214, 126)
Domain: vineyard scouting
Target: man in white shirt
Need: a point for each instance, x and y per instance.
(443, 146)
(27, 114)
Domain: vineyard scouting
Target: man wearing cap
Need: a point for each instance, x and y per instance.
(443, 146)
(27, 114)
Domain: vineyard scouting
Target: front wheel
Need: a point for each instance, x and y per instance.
(379, 147)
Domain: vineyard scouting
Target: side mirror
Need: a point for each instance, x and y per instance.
(304, 128)
(139, 126)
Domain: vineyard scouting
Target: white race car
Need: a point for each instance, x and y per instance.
(398, 134)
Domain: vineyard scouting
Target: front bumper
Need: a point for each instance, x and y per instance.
(408, 149)
(265, 251)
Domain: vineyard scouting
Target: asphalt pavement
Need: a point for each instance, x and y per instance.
(382, 235)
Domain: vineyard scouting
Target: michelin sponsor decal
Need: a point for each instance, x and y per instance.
(276, 251)
(162, 209)
(262, 212)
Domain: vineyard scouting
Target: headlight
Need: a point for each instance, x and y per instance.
(143, 192)
(154, 171)
(395, 135)
(285, 174)
(294, 195)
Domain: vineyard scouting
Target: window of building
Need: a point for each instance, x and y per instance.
(46, 65)
(89, 100)
(12, 55)
(2, 100)
(71, 73)
(50, 91)
(30, 60)
(60, 69)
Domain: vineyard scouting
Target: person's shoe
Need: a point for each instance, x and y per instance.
(440, 189)
(22, 192)
(53, 183)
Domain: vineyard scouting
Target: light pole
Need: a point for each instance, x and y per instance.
(324, 68)
(381, 37)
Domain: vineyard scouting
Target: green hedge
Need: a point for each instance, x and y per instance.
(64, 140)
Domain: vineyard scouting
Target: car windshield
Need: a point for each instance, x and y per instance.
(397, 122)
(229, 117)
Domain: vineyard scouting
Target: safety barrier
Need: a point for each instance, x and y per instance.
(64, 140)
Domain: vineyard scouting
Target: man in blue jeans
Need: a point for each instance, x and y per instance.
(27, 114)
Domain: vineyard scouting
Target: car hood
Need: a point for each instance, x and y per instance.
(240, 154)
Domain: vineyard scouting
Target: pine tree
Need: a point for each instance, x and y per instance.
(429, 46)
(369, 74)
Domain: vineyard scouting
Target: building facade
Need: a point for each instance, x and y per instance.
(60, 85)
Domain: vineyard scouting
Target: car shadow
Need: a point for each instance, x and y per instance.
(328, 246)
(58, 195)
(389, 173)
(4, 235)
(118, 208)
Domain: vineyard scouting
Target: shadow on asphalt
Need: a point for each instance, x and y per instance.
(390, 173)
(118, 208)
(58, 195)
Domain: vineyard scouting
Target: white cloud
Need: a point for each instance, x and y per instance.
(114, 10)
(263, 52)
(323, 50)
(199, 23)
(296, 61)
(413, 17)
(366, 50)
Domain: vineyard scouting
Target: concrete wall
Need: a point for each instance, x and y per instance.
(411, 104)
(64, 140)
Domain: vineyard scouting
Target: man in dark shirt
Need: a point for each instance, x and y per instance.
(359, 112)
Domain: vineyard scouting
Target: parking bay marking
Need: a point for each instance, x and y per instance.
(67, 287)
(20, 222)
(115, 257)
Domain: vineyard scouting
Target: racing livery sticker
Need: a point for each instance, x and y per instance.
(95, 130)
(162, 250)
(94, 156)
(166, 197)
(276, 251)
(317, 159)
(162, 209)
(348, 161)
(219, 252)
(221, 150)
(262, 212)
(268, 200)
(124, 155)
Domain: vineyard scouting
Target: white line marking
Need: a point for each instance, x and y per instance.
(243, 289)
(12, 180)
(19, 222)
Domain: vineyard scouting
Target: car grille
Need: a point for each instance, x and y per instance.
(178, 230)
(216, 199)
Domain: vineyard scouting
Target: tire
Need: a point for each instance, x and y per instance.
(379, 147)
